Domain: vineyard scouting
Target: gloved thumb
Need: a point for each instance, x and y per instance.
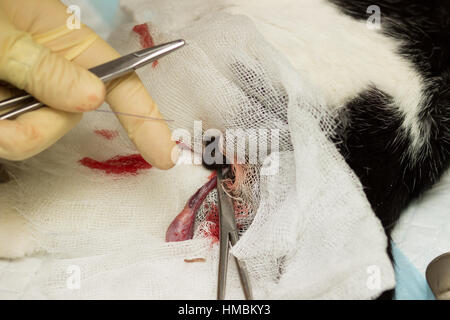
(47, 76)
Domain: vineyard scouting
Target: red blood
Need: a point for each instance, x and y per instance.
(107, 134)
(183, 146)
(213, 216)
(213, 230)
(145, 38)
(120, 165)
(212, 175)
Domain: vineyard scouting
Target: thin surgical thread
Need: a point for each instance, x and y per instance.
(227, 192)
(133, 115)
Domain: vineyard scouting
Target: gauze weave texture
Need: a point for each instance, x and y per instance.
(311, 235)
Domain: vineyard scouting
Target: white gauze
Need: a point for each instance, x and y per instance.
(311, 233)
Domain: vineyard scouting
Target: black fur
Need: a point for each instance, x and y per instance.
(376, 148)
(371, 137)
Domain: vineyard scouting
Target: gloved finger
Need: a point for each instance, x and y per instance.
(144, 123)
(34, 132)
(49, 77)
(135, 109)
(152, 138)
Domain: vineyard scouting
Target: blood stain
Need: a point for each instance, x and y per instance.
(119, 165)
(213, 231)
(146, 38)
(212, 175)
(107, 134)
(213, 216)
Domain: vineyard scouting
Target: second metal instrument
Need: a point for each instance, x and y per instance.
(228, 236)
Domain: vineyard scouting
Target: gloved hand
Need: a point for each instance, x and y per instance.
(35, 49)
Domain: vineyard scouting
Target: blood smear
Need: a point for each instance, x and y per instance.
(145, 38)
(119, 165)
(107, 134)
(212, 175)
(213, 231)
(183, 146)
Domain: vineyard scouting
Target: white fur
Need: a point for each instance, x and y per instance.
(339, 54)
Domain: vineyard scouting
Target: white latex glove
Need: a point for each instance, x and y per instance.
(34, 52)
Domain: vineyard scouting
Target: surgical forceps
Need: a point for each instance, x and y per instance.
(228, 236)
(106, 72)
